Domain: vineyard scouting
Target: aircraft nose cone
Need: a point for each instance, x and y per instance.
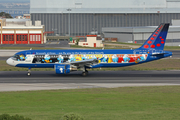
(10, 61)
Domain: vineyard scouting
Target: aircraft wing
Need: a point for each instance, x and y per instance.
(86, 63)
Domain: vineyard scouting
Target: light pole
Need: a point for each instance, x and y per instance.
(69, 21)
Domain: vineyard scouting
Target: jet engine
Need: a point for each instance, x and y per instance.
(62, 69)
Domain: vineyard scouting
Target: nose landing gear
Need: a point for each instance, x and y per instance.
(29, 72)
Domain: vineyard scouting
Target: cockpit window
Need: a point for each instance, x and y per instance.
(15, 57)
(19, 57)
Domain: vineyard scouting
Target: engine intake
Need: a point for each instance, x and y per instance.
(62, 69)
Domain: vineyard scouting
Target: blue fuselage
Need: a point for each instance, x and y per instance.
(106, 58)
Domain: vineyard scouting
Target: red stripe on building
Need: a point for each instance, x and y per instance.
(91, 35)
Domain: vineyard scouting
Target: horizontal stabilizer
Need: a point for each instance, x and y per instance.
(155, 54)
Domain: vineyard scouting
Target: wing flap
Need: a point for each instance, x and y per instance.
(87, 63)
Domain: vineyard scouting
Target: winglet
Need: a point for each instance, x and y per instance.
(157, 39)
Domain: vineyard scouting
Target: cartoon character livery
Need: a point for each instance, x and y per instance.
(72, 58)
(105, 59)
(60, 59)
(84, 57)
(21, 58)
(66, 61)
(115, 58)
(126, 58)
(47, 59)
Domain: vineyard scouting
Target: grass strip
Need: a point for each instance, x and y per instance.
(125, 103)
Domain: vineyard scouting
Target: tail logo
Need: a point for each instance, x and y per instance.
(151, 44)
(157, 39)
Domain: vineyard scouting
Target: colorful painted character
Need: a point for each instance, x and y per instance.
(105, 59)
(78, 58)
(94, 57)
(126, 58)
(47, 59)
(71, 58)
(89, 57)
(21, 58)
(142, 58)
(60, 59)
(115, 58)
(84, 57)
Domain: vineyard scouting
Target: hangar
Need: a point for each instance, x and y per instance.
(142, 33)
(80, 17)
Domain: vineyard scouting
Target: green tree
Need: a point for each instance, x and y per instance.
(6, 15)
(15, 117)
(77, 41)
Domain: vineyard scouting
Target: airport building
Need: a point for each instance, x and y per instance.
(80, 17)
(21, 31)
(142, 33)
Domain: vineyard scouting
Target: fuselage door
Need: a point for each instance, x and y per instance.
(29, 57)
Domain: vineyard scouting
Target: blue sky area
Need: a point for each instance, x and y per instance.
(14, 1)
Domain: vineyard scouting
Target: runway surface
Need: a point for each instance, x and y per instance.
(15, 81)
(176, 53)
(93, 77)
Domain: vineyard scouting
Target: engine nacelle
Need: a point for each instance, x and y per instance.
(62, 69)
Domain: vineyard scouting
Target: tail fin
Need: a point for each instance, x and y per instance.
(157, 39)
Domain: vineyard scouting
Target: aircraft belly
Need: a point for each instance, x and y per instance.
(113, 65)
(32, 65)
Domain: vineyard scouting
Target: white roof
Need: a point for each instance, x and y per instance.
(16, 20)
(22, 27)
(105, 6)
(143, 29)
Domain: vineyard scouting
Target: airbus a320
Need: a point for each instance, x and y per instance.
(66, 61)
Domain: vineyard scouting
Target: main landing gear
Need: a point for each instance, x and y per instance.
(29, 72)
(85, 72)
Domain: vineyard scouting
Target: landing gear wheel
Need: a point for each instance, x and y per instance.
(28, 73)
(85, 73)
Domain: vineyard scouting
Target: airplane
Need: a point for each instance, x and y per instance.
(66, 61)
